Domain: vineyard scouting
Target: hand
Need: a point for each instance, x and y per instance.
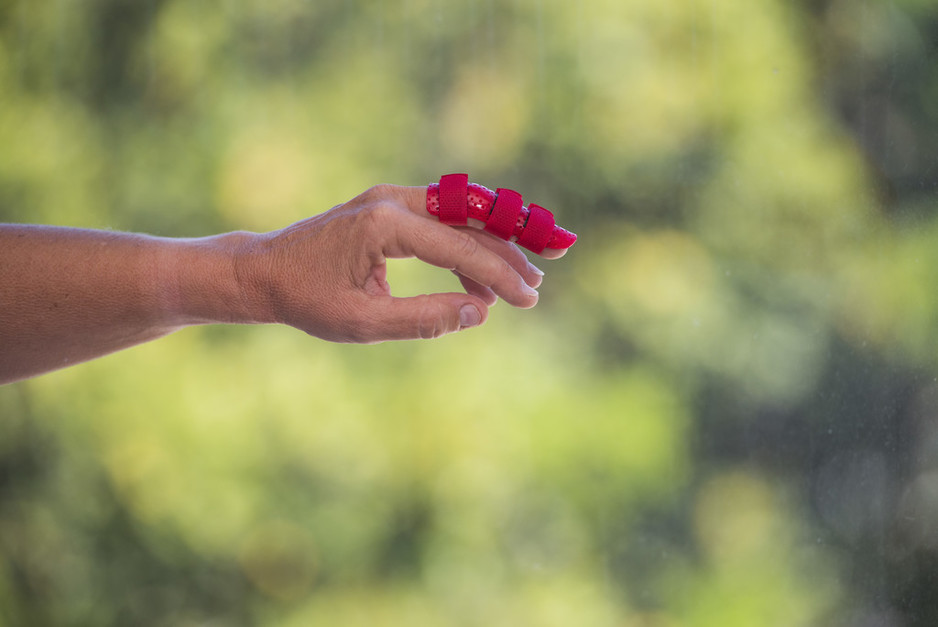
(70, 295)
(327, 275)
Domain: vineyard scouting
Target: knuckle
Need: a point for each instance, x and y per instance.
(378, 193)
(379, 216)
(466, 245)
(381, 190)
(383, 209)
(430, 325)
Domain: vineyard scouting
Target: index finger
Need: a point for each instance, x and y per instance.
(480, 209)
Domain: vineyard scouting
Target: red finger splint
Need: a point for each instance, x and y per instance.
(456, 201)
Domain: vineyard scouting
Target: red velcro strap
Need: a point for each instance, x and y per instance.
(454, 207)
(539, 228)
(505, 213)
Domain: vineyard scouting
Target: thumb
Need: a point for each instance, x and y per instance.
(427, 316)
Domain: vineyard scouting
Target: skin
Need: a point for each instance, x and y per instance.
(69, 295)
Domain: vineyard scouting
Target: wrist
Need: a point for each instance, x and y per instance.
(217, 280)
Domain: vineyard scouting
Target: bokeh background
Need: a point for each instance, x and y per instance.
(723, 412)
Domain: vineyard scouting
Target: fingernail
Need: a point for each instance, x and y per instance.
(530, 291)
(535, 269)
(469, 316)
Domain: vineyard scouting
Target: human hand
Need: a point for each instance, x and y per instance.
(327, 275)
(76, 294)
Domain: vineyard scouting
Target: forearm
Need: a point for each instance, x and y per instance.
(69, 295)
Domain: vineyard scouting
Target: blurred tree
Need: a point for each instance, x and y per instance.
(723, 412)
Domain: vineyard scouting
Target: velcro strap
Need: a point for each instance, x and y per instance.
(454, 208)
(538, 229)
(505, 213)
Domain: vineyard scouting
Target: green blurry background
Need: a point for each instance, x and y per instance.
(724, 411)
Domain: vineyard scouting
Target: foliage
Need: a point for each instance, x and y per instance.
(721, 413)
